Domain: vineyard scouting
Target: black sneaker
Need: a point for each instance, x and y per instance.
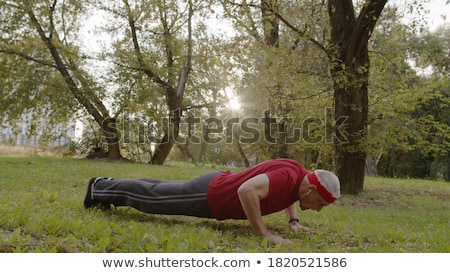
(89, 200)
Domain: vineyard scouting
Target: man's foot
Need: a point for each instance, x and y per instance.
(89, 200)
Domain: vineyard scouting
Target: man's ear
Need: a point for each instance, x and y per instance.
(310, 188)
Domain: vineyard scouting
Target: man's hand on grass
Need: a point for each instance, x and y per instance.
(277, 239)
(295, 226)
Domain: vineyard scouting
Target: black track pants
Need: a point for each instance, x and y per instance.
(186, 197)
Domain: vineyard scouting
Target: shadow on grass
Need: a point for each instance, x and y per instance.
(235, 228)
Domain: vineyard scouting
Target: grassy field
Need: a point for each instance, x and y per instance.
(41, 211)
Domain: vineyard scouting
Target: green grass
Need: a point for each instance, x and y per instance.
(41, 211)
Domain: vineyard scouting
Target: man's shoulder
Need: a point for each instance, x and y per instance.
(286, 162)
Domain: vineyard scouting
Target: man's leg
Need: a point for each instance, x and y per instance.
(157, 196)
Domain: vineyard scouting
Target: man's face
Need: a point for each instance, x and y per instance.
(312, 200)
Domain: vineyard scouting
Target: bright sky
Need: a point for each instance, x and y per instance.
(437, 12)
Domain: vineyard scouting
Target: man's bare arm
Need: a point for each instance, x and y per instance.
(250, 194)
(291, 213)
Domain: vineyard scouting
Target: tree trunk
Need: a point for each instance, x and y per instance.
(202, 151)
(112, 137)
(82, 93)
(163, 149)
(350, 72)
(277, 148)
(352, 104)
(241, 151)
(174, 94)
(372, 163)
(161, 153)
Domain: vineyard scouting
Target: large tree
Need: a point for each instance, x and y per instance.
(175, 85)
(349, 66)
(43, 34)
(344, 43)
(148, 54)
(156, 53)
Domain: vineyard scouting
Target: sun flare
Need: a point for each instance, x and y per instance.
(234, 103)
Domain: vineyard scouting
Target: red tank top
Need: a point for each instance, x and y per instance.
(285, 176)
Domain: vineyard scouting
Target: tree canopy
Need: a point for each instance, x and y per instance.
(341, 85)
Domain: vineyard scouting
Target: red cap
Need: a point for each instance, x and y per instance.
(320, 188)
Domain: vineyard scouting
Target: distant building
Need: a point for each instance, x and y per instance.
(18, 134)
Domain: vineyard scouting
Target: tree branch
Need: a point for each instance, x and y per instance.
(302, 33)
(245, 7)
(365, 24)
(61, 67)
(137, 49)
(27, 57)
(187, 67)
